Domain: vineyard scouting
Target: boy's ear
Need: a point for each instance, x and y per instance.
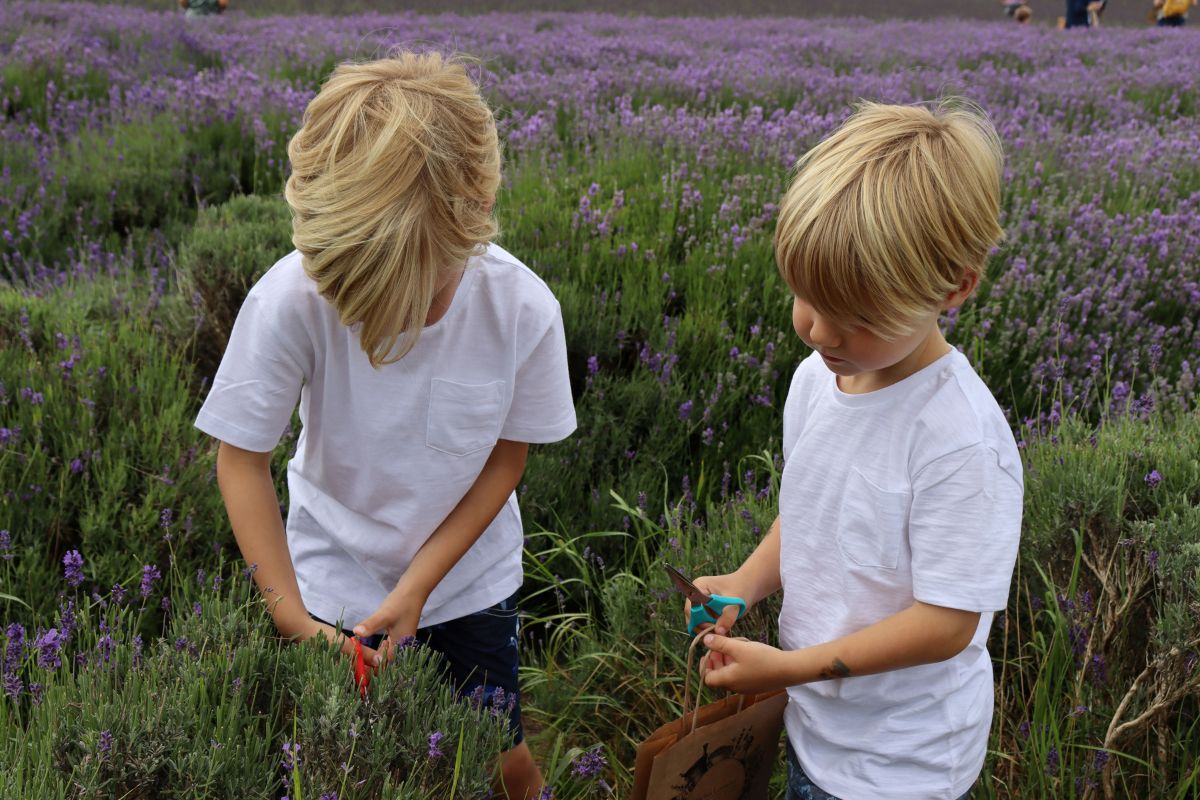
(966, 287)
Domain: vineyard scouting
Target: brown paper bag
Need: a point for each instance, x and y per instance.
(724, 750)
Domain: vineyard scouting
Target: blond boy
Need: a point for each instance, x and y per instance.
(900, 502)
(425, 359)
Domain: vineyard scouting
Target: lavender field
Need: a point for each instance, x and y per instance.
(141, 166)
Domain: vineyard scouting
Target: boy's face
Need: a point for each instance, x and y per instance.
(865, 360)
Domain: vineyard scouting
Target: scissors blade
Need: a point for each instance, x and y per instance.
(687, 587)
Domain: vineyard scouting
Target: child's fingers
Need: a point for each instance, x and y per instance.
(371, 625)
(372, 657)
(725, 623)
(719, 644)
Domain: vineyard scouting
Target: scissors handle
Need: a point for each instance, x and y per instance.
(718, 603)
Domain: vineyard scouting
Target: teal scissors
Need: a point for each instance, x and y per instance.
(706, 608)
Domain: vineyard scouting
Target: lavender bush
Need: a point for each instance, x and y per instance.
(216, 708)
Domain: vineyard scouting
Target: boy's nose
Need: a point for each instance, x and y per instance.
(822, 334)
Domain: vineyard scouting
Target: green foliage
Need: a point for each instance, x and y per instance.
(615, 671)
(214, 709)
(228, 249)
(100, 453)
(133, 177)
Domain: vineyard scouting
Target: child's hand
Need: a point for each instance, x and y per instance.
(717, 584)
(398, 616)
(745, 667)
(345, 643)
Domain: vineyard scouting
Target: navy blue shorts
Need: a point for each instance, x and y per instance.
(480, 656)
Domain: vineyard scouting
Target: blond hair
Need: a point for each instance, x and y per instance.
(887, 215)
(394, 171)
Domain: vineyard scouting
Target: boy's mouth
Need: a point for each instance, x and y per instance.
(831, 359)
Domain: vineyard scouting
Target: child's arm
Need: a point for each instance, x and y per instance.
(756, 578)
(253, 507)
(401, 609)
(920, 634)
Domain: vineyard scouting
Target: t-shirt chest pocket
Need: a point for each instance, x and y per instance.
(464, 417)
(872, 522)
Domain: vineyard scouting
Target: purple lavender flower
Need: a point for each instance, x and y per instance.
(105, 646)
(150, 575)
(435, 739)
(14, 646)
(588, 764)
(685, 409)
(105, 744)
(593, 365)
(48, 645)
(73, 567)
(6, 545)
(291, 756)
(13, 687)
(1153, 478)
(1052, 762)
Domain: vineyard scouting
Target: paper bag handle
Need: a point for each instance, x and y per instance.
(687, 682)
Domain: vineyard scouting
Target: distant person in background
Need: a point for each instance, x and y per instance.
(203, 8)
(1011, 6)
(1077, 14)
(1095, 10)
(1172, 13)
(1023, 14)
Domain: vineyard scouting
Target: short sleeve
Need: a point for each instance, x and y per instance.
(964, 526)
(258, 383)
(792, 421)
(542, 407)
(795, 405)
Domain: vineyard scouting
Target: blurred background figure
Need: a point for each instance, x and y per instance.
(1095, 10)
(1172, 13)
(203, 8)
(1077, 14)
(1023, 14)
(1011, 6)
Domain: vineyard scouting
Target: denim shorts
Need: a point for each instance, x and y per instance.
(480, 657)
(801, 787)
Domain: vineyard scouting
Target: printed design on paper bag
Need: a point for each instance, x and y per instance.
(729, 768)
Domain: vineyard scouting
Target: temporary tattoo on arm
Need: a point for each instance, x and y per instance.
(837, 669)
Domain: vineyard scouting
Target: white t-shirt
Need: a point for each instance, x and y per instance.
(911, 492)
(385, 454)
